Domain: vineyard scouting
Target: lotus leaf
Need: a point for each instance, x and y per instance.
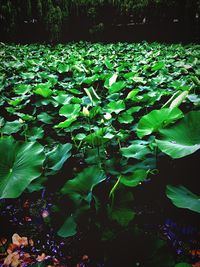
(20, 165)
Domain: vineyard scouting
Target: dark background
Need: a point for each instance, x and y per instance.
(53, 21)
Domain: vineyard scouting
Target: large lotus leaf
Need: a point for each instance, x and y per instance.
(156, 120)
(27, 75)
(183, 138)
(116, 87)
(43, 90)
(58, 156)
(116, 107)
(22, 89)
(11, 127)
(34, 133)
(133, 180)
(20, 164)
(126, 118)
(62, 98)
(70, 110)
(137, 151)
(158, 66)
(45, 117)
(82, 185)
(66, 123)
(181, 197)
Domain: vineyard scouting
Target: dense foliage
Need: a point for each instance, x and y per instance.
(50, 20)
(89, 123)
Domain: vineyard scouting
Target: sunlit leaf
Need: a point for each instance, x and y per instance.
(156, 120)
(133, 180)
(137, 151)
(183, 138)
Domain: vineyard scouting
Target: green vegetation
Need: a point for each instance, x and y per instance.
(101, 115)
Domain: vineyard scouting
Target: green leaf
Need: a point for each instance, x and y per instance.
(34, 133)
(131, 95)
(156, 120)
(45, 117)
(37, 184)
(116, 107)
(139, 80)
(90, 80)
(43, 90)
(15, 102)
(116, 87)
(70, 110)
(11, 127)
(27, 75)
(108, 64)
(22, 89)
(181, 197)
(62, 68)
(97, 138)
(62, 99)
(158, 66)
(26, 117)
(178, 100)
(58, 156)
(136, 151)
(82, 185)
(133, 180)
(80, 136)
(66, 123)
(125, 118)
(183, 138)
(129, 75)
(122, 215)
(20, 165)
(68, 228)
(94, 98)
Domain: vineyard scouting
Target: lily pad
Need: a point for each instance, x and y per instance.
(11, 127)
(70, 110)
(135, 179)
(82, 185)
(183, 138)
(58, 156)
(116, 87)
(20, 165)
(136, 151)
(43, 90)
(156, 120)
(116, 107)
(181, 197)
